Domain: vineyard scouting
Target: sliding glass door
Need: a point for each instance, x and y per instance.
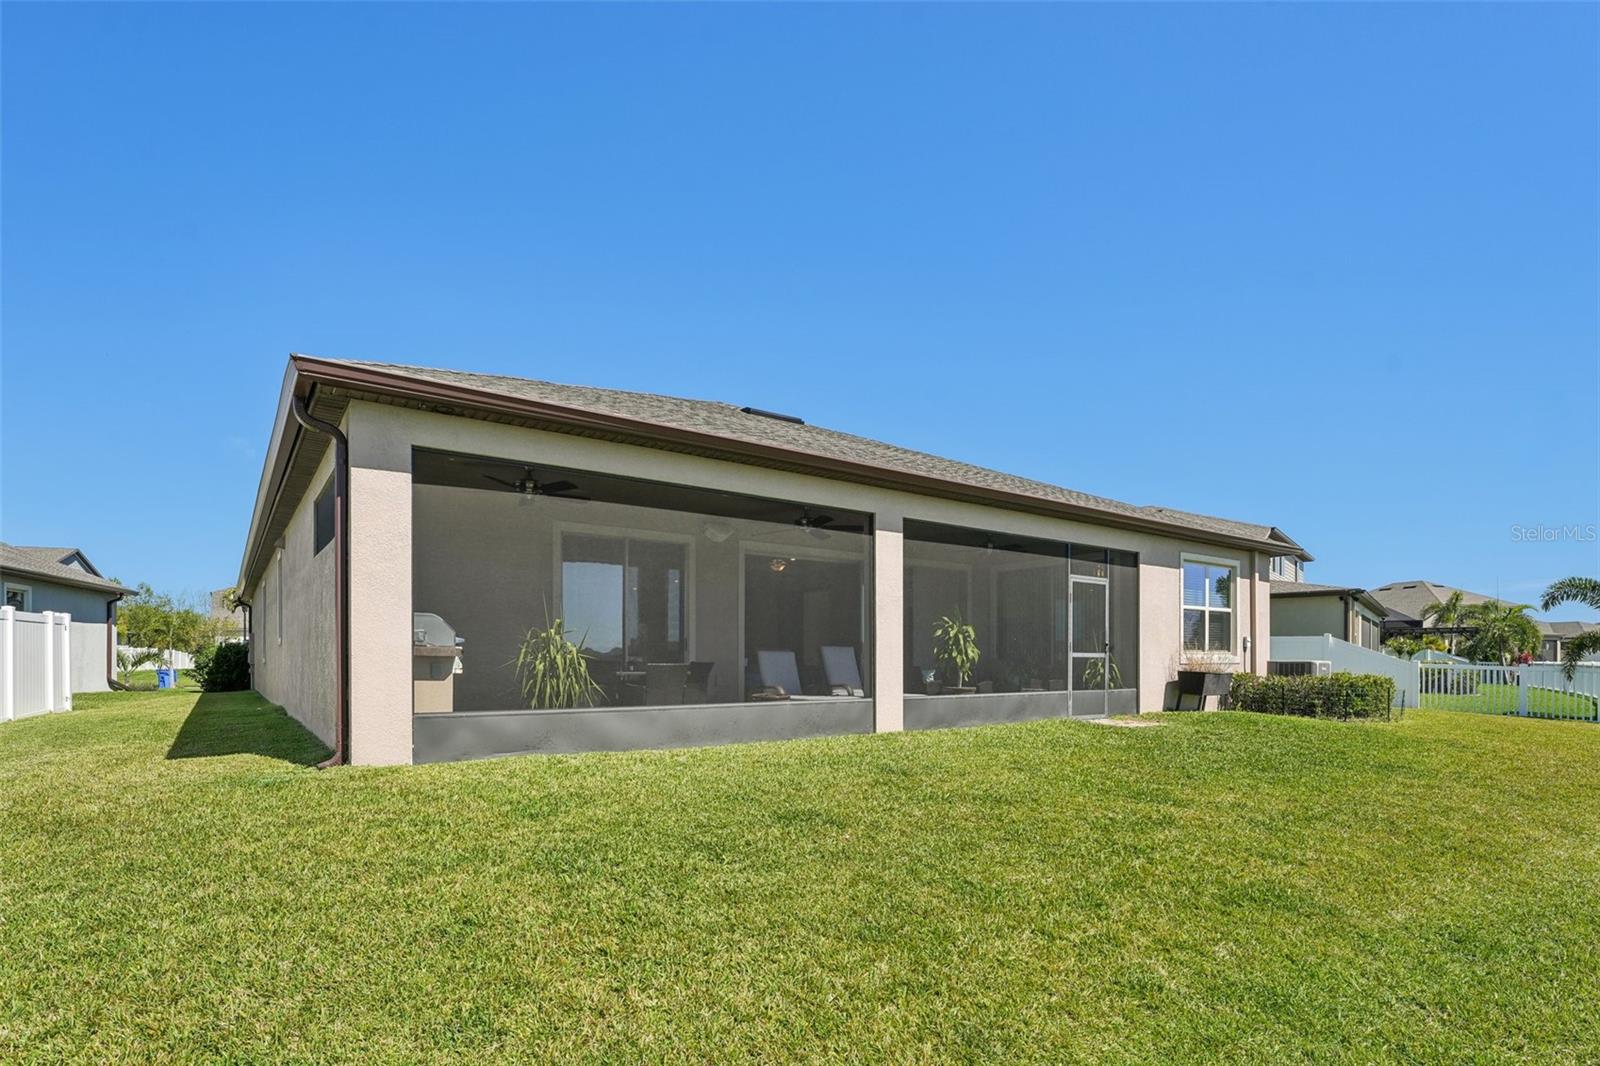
(624, 597)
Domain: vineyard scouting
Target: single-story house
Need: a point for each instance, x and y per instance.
(1556, 634)
(730, 573)
(63, 581)
(1303, 609)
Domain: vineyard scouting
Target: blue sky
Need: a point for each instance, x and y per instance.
(1330, 267)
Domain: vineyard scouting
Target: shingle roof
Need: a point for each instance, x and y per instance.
(1301, 588)
(1566, 630)
(46, 564)
(1307, 588)
(729, 421)
(1411, 598)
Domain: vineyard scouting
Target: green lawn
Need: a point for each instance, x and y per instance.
(1502, 699)
(176, 883)
(146, 679)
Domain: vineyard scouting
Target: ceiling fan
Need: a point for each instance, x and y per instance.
(528, 485)
(820, 525)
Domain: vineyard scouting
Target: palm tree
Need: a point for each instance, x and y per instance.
(1451, 612)
(1585, 590)
(1504, 630)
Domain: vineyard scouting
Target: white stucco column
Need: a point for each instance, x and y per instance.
(888, 609)
(1261, 612)
(380, 587)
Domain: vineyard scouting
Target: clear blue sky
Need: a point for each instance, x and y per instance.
(1335, 268)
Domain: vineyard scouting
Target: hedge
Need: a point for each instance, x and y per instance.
(223, 668)
(1341, 696)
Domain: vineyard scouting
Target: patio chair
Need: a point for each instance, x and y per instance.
(779, 672)
(697, 687)
(844, 674)
(663, 683)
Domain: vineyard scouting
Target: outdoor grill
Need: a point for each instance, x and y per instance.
(435, 662)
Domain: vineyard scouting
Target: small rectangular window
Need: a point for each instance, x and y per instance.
(279, 604)
(322, 519)
(18, 596)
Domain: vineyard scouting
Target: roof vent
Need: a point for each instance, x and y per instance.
(773, 414)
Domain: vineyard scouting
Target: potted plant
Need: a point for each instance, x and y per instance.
(1201, 675)
(955, 645)
(1094, 675)
(554, 671)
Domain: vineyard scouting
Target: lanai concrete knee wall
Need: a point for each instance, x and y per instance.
(381, 441)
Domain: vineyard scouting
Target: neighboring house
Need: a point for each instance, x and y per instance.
(1301, 609)
(1288, 568)
(64, 581)
(231, 618)
(733, 574)
(1556, 634)
(1408, 601)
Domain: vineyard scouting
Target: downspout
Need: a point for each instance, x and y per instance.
(111, 644)
(341, 579)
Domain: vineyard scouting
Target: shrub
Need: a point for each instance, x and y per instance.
(1341, 695)
(223, 668)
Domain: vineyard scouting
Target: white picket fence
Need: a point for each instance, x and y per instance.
(1535, 690)
(35, 663)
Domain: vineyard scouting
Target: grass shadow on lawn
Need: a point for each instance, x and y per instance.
(243, 723)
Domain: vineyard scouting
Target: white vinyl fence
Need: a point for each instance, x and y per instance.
(1536, 690)
(180, 660)
(1354, 659)
(35, 663)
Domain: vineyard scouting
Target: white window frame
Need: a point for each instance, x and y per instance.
(27, 594)
(1235, 633)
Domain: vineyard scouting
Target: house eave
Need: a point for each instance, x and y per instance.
(306, 373)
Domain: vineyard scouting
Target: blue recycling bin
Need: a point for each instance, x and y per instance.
(166, 678)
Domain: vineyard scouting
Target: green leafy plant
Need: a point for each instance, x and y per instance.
(129, 660)
(1584, 590)
(955, 645)
(1341, 696)
(223, 668)
(1094, 674)
(1503, 631)
(554, 671)
(1447, 614)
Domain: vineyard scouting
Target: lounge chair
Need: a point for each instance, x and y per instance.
(844, 674)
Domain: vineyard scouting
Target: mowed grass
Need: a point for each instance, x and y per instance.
(177, 884)
(1502, 699)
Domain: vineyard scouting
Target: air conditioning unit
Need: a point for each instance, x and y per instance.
(1299, 667)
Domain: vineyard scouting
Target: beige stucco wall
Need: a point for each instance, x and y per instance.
(1309, 616)
(293, 663)
(381, 439)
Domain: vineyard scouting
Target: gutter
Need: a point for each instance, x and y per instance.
(341, 579)
(111, 644)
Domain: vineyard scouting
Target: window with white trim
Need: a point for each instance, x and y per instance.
(18, 596)
(1207, 606)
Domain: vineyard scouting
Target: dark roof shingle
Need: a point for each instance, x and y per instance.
(46, 564)
(729, 421)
